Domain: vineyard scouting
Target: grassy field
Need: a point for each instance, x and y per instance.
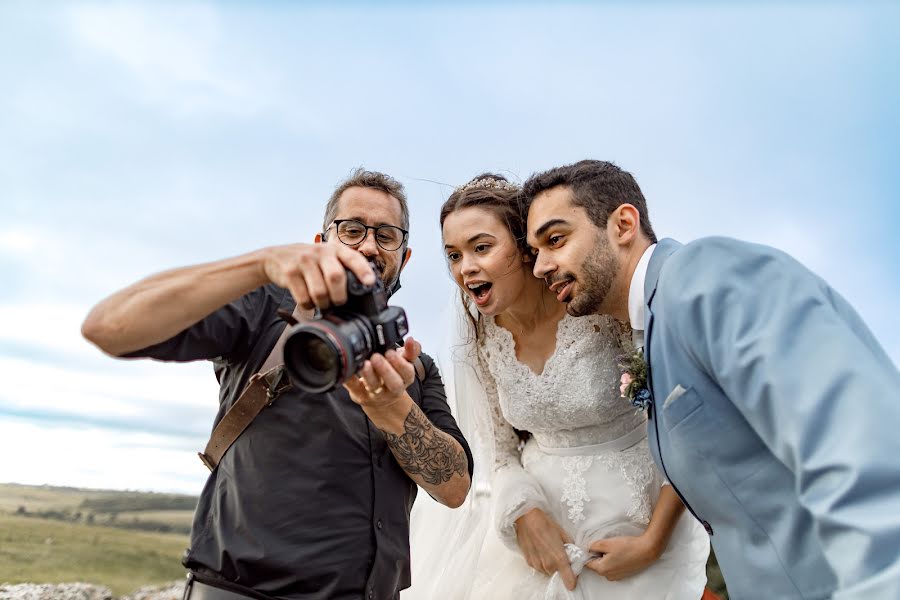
(39, 498)
(58, 535)
(163, 513)
(48, 551)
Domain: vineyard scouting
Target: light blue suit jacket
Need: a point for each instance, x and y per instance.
(776, 416)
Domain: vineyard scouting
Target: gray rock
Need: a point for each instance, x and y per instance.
(170, 591)
(54, 591)
(86, 591)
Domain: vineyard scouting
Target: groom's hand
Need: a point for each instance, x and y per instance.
(541, 540)
(623, 556)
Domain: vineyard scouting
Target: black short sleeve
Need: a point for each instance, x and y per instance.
(230, 332)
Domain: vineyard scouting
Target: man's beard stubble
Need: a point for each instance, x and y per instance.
(597, 274)
(389, 279)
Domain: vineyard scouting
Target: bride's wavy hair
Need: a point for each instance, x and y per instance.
(503, 198)
(494, 193)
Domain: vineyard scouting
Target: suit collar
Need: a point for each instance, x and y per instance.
(664, 249)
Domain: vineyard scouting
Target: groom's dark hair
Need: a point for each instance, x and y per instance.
(598, 186)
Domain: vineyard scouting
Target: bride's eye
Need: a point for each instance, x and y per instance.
(481, 247)
(453, 256)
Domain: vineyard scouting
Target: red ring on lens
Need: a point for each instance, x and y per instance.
(334, 342)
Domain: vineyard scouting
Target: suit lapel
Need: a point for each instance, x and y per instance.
(663, 251)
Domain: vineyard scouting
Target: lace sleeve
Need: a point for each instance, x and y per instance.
(515, 492)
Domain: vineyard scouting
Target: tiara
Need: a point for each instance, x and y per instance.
(488, 183)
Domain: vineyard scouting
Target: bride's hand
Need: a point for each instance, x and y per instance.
(541, 540)
(623, 556)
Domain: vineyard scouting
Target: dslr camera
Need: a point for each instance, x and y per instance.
(323, 353)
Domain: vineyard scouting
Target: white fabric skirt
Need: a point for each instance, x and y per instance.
(596, 492)
(603, 491)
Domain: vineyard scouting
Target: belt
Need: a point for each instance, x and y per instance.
(617, 445)
(197, 590)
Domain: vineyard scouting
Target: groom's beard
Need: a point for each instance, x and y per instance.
(597, 273)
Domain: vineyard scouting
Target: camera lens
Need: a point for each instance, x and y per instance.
(321, 355)
(314, 358)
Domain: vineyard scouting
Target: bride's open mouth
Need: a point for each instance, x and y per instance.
(480, 292)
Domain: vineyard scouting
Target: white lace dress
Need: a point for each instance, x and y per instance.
(586, 465)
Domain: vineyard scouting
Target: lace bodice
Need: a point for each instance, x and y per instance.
(575, 401)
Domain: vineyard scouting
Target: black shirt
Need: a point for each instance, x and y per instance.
(309, 503)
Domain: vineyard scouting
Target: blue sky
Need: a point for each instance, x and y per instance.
(142, 136)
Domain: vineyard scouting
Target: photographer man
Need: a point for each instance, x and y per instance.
(312, 500)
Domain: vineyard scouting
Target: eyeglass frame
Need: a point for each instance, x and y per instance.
(375, 228)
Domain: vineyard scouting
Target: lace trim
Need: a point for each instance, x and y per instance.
(574, 485)
(575, 400)
(640, 473)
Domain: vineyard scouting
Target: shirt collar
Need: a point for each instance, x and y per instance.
(636, 291)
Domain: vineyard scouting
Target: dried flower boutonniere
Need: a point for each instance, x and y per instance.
(633, 384)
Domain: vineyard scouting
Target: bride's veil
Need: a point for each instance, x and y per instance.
(445, 543)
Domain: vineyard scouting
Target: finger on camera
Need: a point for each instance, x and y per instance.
(335, 277)
(297, 288)
(373, 379)
(403, 365)
(389, 374)
(411, 349)
(356, 389)
(356, 262)
(367, 374)
(316, 287)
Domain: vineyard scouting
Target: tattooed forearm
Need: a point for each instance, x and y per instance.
(426, 451)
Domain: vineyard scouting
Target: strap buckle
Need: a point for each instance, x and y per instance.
(276, 381)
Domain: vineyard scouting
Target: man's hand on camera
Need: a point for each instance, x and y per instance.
(383, 380)
(315, 274)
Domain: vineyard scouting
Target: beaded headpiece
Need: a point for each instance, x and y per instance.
(488, 183)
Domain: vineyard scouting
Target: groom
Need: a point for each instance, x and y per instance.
(774, 412)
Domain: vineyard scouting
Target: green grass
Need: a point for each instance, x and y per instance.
(137, 510)
(45, 551)
(39, 498)
(181, 518)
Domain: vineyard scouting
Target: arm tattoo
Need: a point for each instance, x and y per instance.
(424, 450)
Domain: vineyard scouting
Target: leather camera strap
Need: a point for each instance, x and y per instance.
(261, 391)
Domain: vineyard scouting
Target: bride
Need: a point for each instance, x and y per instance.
(579, 510)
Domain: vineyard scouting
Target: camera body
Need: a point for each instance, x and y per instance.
(321, 354)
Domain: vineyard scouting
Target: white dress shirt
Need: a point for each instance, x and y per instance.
(636, 297)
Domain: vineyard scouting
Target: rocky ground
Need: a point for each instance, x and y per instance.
(86, 591)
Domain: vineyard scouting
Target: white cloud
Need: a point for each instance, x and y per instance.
(17, 241)
(135, 392)
(47, 326)
(97, 458)
(176, 53)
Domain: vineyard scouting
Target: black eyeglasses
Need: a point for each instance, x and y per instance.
(352, 233)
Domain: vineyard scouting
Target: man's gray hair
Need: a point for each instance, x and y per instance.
(368, 179)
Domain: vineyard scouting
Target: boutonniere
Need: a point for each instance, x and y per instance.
(633, 384)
